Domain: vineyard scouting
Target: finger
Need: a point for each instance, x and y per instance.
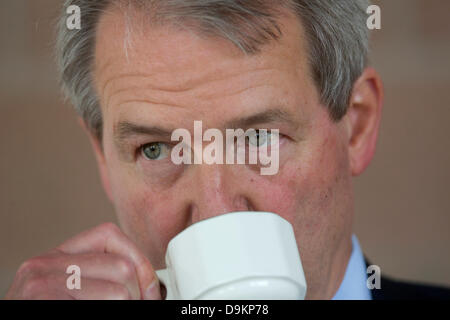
(43, 287)
(95, 289)
(102, 266)
(51, 295)
(108, 238)
(28, 293)
(54, 286)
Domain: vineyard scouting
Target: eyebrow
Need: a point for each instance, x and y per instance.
(268, 116)
(124, 129)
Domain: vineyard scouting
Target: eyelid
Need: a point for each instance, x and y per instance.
(139, 151)
(172, 144)
(268, 134)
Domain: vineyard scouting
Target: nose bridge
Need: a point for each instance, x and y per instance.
(215, 192)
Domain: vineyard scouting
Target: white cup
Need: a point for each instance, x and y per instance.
(235, 256)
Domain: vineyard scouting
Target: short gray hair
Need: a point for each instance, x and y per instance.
(336, 32)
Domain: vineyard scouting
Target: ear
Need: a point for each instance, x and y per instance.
(99, 156)
(363, 119)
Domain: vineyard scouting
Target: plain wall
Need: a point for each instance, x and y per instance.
(50, 189)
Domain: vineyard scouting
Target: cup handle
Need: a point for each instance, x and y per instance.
(163, 276)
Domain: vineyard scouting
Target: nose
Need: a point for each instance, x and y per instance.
(217, 190)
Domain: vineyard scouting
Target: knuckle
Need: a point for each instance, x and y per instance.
(31, 265)
(34, 286)
(120, 292)
(25, 268)
(109, 228)
(125, 269)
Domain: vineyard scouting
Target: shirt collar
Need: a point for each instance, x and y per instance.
(354, 284)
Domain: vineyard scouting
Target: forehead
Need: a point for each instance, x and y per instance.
(137, 62)
(125, 44)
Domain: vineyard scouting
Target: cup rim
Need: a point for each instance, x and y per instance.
(223, 216)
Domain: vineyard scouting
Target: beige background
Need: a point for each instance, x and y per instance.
(49, 186)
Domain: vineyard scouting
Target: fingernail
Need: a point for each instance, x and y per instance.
(152, 292)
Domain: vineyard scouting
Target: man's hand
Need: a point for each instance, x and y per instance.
(112, 267)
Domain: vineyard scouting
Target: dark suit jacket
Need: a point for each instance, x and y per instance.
(392, 289)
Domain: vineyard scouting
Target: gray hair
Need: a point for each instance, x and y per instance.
(336, 32)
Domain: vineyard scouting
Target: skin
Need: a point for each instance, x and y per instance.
(169, 78)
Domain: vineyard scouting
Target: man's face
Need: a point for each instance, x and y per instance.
(167, 79)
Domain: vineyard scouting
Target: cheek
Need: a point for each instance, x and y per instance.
(145, 221)
(134, 205)
(150, 218)
(310, 188)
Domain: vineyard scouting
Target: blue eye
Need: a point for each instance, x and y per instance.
(155, 151)
(259, 137)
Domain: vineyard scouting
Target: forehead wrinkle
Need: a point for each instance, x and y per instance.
(111, 81)
(135, 88)
(195, 72)
(231, 93)
(206, 73)
(139, 94)
(203, 90)
(100, 67)
(195, 75)
(207, 77)
(233, 84)
(153, 103)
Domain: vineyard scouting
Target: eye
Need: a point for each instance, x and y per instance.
(259, 137)
(155, 151)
